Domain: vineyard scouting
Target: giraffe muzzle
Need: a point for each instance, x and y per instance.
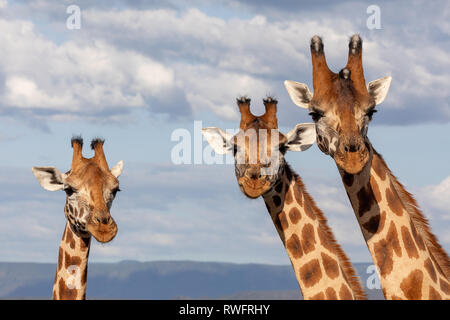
(253, 187)
(103, 229)
(352, 162)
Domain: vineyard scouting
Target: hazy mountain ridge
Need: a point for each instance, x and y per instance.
(164, 280)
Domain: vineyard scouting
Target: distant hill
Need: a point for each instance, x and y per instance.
(163, 280)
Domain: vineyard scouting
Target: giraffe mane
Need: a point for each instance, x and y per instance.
(419, 221)
(347, 267)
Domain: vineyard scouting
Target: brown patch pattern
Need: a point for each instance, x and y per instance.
(330, 266)
(430, 269)
(444, 286)
(279, 187)
(383, 256)
(392, 238)
(331, 294)
(294, 247)
(384, 250)
(324, 240)
(417, 237)
(409, 245)
(382, 221)
(309, 211)
(298, 195)
(288, 197)
(308, 238)
(375, 189)
(345, 293)
(433, 294)
(373, 223)
(412, 285)
(295, 215)
(365, 201)
(319, 296)
(66, 293)
(393, 201)
(379, 168)
(283, 220)
(310, 273)
(348, 179)
(276, 200)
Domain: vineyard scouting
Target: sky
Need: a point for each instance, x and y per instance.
(136, 71)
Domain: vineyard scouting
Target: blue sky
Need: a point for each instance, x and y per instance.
(137, 70)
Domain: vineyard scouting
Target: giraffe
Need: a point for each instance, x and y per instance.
(322, 268)
(90, 188)
(411, 263)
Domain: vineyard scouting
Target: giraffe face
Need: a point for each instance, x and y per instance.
(342, 118)
(90, 189)
(341, 106)
(258, 153)
(259, 149)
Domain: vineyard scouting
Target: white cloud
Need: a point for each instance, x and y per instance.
(24, 93)
(177, 60)
(437, 198)
(86, 78)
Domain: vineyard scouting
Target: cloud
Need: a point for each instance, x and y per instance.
(436, 199)
(76, 79)
(182, 61)
(435, 203)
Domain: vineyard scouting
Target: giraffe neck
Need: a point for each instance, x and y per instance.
(410, 261)
(322, 269)
(71, 273)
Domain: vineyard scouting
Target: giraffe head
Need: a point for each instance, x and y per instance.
(90, 188)
(341, 105)
(259, 147)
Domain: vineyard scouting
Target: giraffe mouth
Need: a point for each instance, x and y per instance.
(352, 162)
(253, 188)
(103, 232)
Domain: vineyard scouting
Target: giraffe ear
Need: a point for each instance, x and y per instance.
(50, 178)
(301, 138)
(218, 139)
(379, 88)
(116, 171)
(299, 93)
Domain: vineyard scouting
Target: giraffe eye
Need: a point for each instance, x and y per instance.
(235, 149)
(316, 116)
(69, 190)
(370, 113)
(114, 192)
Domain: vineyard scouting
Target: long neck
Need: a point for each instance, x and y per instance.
(410, 261)
(71, 273)
(322, 269)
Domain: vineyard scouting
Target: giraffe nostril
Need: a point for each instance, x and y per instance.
(352, 147)
(104, 220)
